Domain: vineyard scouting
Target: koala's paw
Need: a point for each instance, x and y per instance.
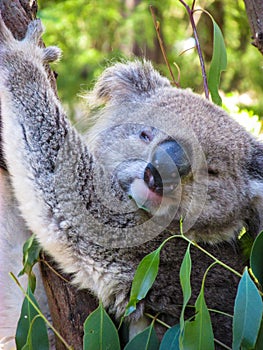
(34, 31)
(30, 42)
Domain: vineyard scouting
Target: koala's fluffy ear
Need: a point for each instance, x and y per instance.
(126, 82)
(255, 172)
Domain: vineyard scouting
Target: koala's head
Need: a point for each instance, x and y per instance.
(175, 155)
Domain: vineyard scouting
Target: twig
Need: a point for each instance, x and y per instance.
(201, 59)
(157, 320)
(157, 28)
(219, 262)
(222, 344)
(53, 270)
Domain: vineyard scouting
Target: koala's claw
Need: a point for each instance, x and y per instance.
(51, 54)
(34, 31)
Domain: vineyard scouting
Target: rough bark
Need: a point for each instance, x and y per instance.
(68, 306)
(254, 10)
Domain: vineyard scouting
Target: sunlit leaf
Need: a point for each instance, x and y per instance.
(247, 314)
(218, 64)
(198, 334)
(185, 274)
(146, 340)
(31, 330)
(100, 332)
(31, 250)
(170, 340)
(144, 277)
(256, 258)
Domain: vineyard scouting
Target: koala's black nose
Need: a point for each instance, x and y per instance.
(168, 164)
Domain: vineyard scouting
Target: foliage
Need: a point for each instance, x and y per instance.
(31, 329)
(218, 64)
(93, 33)
(256, 259)
(31, 332)
(101, 333)
(143, 280)
(146, 340)
(247, 314)
(31, 250)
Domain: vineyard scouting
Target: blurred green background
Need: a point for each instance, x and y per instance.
(93, 34)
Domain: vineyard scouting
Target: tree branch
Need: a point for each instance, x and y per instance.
(254, 9)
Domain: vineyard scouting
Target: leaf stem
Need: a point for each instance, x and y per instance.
(157, 29)
(157, 320)
(220, 312)
(214, 258)
(222, 344)
(219, 262)
(53, 270)
(190, 12)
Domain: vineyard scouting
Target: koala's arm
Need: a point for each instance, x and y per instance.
(35, 136)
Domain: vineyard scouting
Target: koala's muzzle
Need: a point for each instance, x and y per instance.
(168, 164)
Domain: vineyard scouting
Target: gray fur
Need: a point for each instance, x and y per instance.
(73, 190)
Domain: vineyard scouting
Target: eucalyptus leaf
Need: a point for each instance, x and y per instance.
(259, 343)
(100, 332)
(247, 314)
(144, 278)
(31, 250)
(198, 334)
(218, 64)
(170, 340)
(256, 258)
(185, 275)
(31, 330)
(146, 340)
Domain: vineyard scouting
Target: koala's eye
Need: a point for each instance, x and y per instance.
(146, 135)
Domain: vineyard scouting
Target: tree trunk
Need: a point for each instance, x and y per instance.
(68, 306)
(254, 10)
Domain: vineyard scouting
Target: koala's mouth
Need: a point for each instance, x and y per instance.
(144, 197)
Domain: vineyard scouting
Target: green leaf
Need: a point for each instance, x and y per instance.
(31, 330)
(31, 250)
(256, 258)
(185, 275)
(144, 278)
(170, 340)
(247, 314)
(146, 340)
(198, 334)
(100, 332)
(259, 343)
(218, 64)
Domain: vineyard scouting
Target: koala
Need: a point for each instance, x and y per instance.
(98, 202)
